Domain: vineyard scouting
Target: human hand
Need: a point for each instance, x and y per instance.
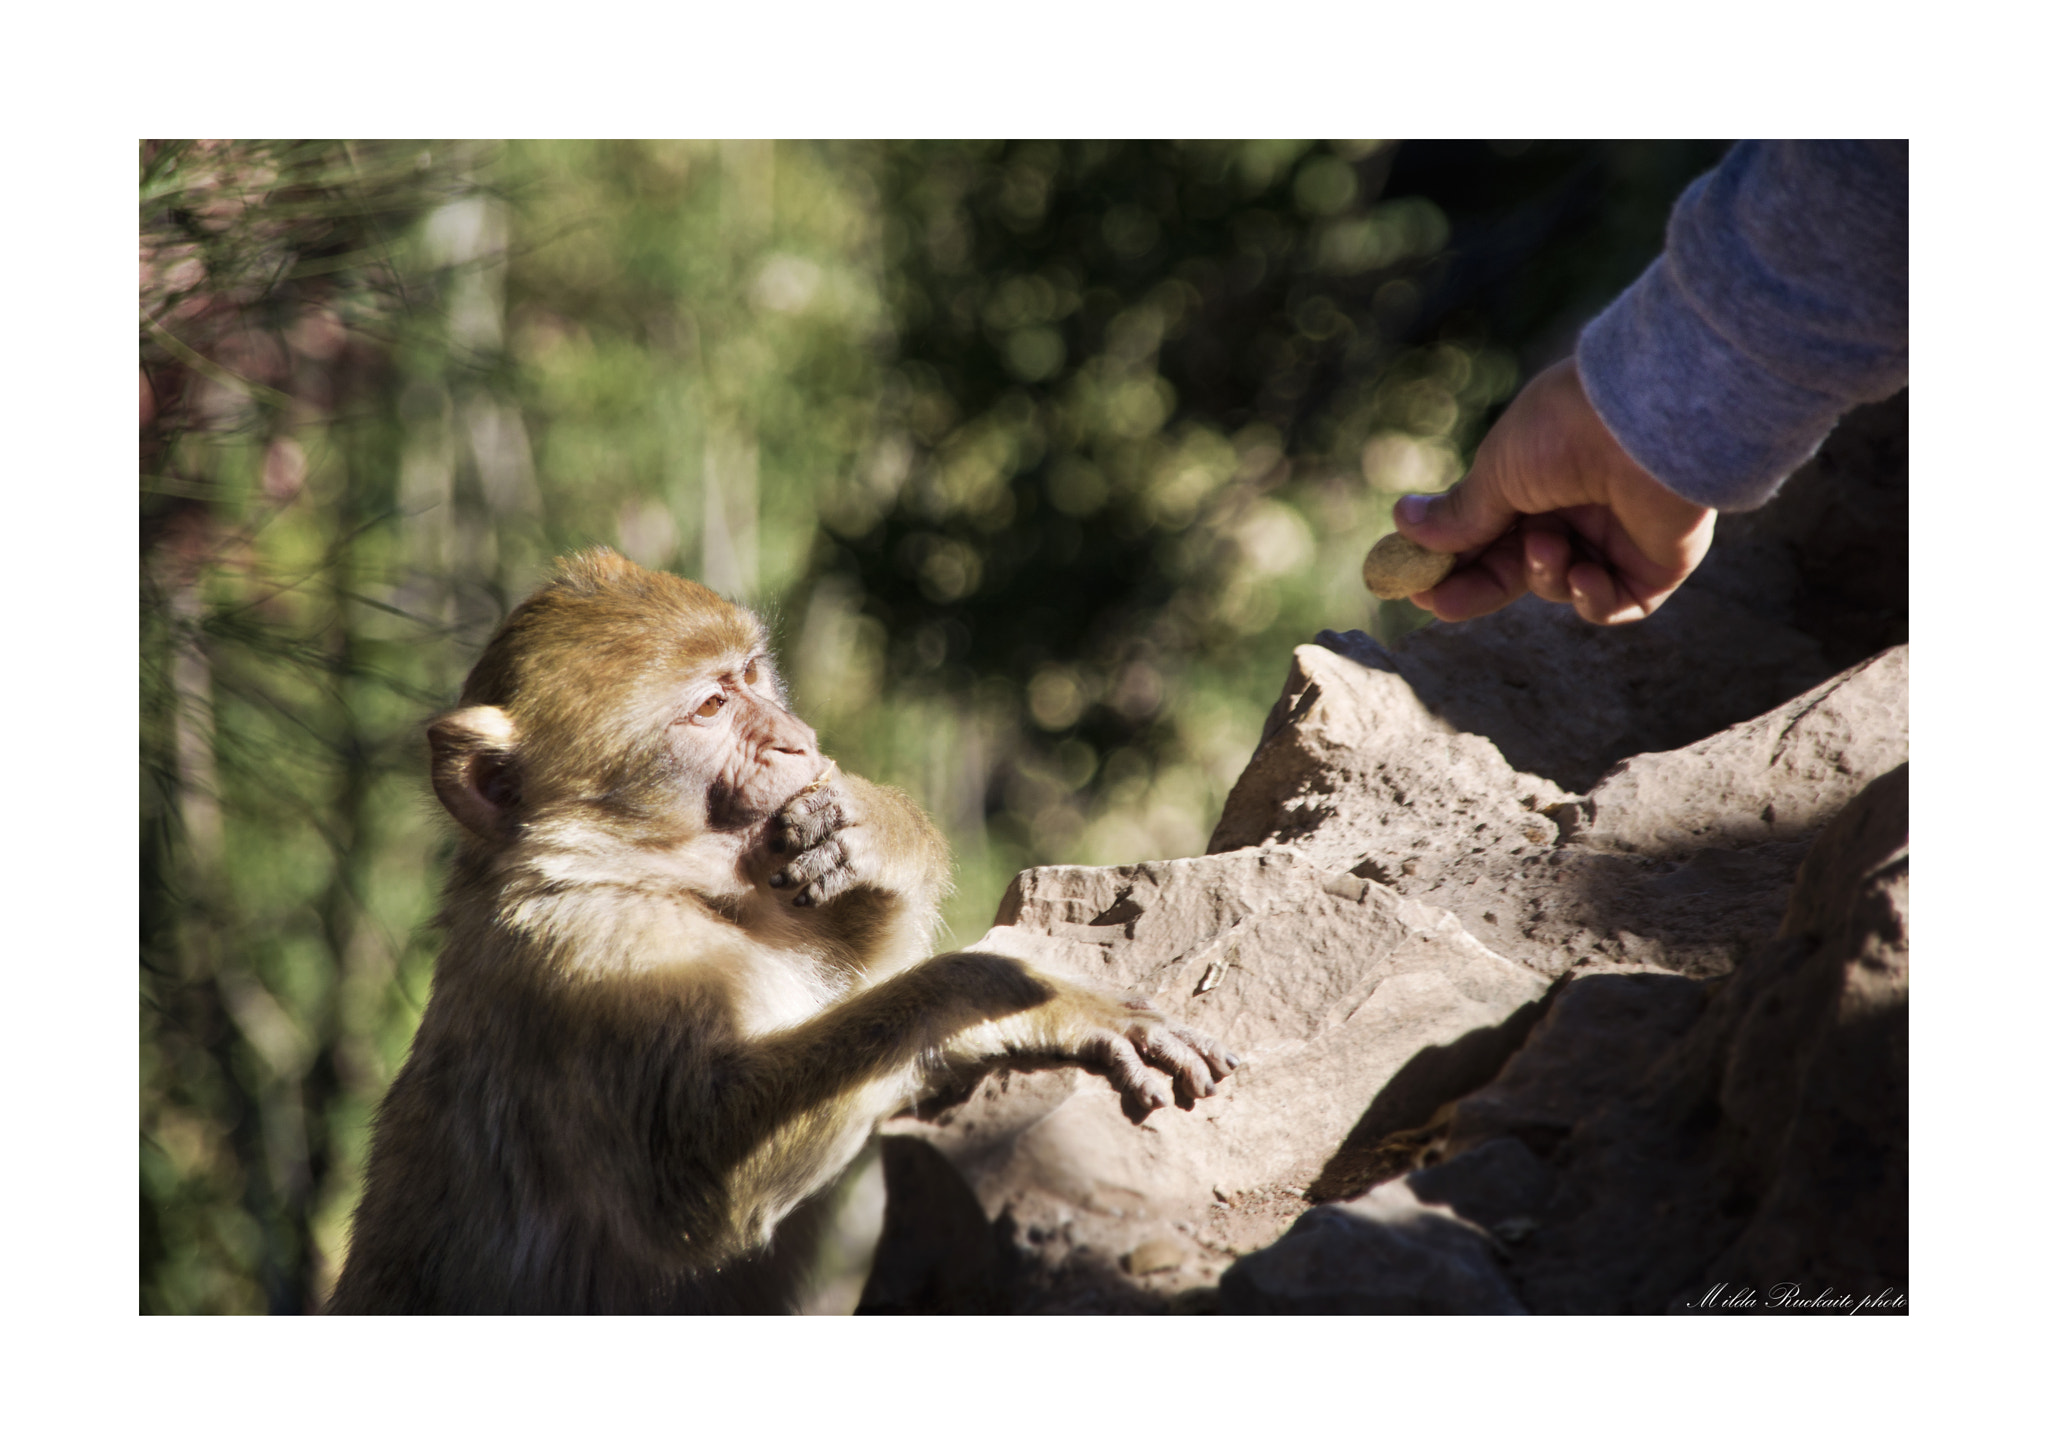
(1554, 505)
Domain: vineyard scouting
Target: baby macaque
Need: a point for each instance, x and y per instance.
(684, 977)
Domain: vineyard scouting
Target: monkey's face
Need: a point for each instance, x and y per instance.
(739, 746)
(630, 704)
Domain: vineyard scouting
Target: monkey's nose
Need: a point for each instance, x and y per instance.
(803, 741)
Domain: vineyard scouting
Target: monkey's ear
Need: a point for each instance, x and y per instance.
(475, 774)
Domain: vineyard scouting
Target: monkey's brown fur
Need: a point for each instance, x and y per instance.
(681, 981)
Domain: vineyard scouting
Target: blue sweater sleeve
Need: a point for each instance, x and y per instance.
(1779, 303)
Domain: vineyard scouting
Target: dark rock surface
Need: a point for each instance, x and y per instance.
(1383, 1253)
(1750, 1133)
(1775, 778)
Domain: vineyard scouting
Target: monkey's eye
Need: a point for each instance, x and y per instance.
(708, 708)
(752, 676)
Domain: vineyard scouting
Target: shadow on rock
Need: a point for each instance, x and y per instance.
(1659, 1145)
(1764, 1146)
(1405, 1119)
(938, 1253)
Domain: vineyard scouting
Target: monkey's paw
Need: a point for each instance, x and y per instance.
(818, 831)
(1154, 1061)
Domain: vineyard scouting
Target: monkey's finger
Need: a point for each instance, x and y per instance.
(1128, 1073)
(786, 833)
(1164, 1047)
(1222, 1060)
(830, 884)
(797, 874)
(818, 874)
(808, 866)
(808, 820)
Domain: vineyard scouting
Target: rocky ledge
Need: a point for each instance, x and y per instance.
(1568, 966)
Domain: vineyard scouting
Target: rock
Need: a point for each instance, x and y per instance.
(938, 1252)
(1396, 567)
(1569, 965)
(1384, 1253)
(1566, 700)
(1828, 554)
(1599, 1036)
(1155, 1255)
(1778, 776)
(1754, 1137)
(1496, 1185)
(1352, 767)
(1354, 771)
(1340, 995)
(1657, 1144)
(1814, 1089)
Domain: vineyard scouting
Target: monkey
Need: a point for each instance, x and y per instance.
(685, 974)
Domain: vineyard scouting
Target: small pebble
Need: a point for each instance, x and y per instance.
(1155, 1255)
(1397, 567)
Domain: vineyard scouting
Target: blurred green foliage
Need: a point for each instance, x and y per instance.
(1037, 456)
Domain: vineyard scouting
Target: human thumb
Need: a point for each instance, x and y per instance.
(1468, 515)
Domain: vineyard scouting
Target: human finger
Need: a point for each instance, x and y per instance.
(1599, 598)
(1469, 515)
(1642, 567)
(1546, 560)
(1482, 585)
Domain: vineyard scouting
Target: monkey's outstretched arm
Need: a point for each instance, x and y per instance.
(891, 1034)
(832, 1078)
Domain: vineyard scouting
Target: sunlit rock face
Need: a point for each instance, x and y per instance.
(1568, 966)
(1339, 994)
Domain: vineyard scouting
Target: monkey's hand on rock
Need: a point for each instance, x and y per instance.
(1153, 1061)
(1150, 1059)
